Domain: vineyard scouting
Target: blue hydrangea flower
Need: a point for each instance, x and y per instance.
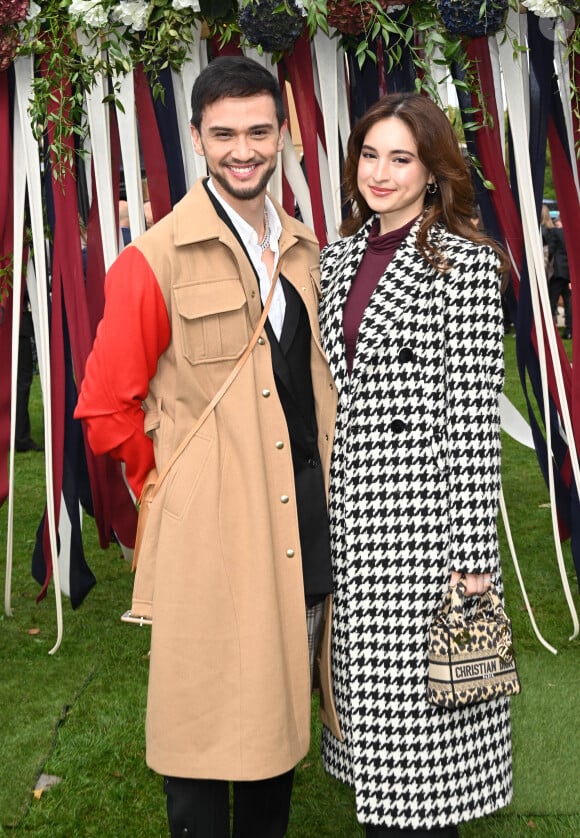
(270, 30)
(464, 17)
(572, 4)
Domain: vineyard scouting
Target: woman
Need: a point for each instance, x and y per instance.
(411, 321)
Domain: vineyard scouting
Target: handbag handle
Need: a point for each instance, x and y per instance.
(488, 602)
(154, 485)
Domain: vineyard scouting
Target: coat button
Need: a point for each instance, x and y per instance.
(284, 498)
(261, 341)
(266, 393)
(279, 445)
(290, 553)
(406, 355)
(398, 426)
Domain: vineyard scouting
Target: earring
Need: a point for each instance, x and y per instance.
(432, 188)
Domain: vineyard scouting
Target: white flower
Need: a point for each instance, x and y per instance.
(186, 4)
(33, 10)
(132, 13)
(544, 8)
(89, 12)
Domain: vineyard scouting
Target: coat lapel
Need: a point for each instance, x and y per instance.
(339, 263)
(405, 288)
(408, 278)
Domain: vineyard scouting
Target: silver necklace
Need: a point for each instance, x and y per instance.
(265, 243)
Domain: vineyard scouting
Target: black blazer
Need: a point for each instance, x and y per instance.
(291, 367)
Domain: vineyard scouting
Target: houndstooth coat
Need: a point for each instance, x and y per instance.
(415, 481)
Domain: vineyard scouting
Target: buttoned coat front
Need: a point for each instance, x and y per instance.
(414, 492)
(229, 686)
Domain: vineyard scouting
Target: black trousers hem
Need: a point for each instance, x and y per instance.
(200, 808)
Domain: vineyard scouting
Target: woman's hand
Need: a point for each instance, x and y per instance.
(475, 583)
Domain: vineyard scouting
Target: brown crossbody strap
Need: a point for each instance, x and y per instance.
(220, 393)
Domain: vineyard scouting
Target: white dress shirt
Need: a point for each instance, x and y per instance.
(250, 239)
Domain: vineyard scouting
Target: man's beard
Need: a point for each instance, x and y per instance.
(244, 193)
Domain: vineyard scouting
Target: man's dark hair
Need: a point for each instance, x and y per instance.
(235, 76)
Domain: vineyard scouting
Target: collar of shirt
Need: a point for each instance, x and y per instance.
(249, 238)
(247, 233)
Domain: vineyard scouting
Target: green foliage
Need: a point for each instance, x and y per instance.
(79, 715)
(77, 49)
(73, 53)
(6, 274)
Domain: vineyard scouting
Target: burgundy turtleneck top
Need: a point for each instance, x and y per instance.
(377, 257)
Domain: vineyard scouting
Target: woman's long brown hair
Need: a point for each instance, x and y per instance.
(439, 151)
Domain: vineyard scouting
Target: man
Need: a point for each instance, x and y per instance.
(25, 371)
(239, 529)
(559, 284)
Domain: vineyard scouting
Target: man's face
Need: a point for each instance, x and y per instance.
(240, 139)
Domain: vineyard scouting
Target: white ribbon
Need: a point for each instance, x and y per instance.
(514, 424)
(326, 83)
(98, 119)
(27, 171)
(516, 97)
(129, 142)
(563, 73)
(194, 165)
(440, 74)
(529, 608)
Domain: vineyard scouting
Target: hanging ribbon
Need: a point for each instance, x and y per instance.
(153, 154)
(168, 126)
(328, 84)
(544, 328)
(6, 255)
(68, 314)
(27, 173)
(300, 74)
(183, 80)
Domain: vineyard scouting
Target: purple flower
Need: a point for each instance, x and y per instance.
(352, 17)
(12, 11)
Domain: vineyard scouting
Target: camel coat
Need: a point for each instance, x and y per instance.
(229, 686)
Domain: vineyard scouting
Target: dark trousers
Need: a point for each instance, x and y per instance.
(23, 386)
(200, 808)
(559, 286)
(387, 832)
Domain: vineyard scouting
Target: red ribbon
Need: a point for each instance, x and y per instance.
(69, 294)
(153, 154)
(491, 157)
(299, 66)
(570, 214)
(113, 508)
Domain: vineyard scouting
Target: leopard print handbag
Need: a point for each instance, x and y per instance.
(471, 659)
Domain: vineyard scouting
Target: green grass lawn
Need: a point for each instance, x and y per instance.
(79, 715)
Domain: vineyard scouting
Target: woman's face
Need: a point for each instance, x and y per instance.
(390, 176)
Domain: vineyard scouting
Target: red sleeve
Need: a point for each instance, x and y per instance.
(132, 335)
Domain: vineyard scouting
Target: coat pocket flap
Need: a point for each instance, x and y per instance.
(201, 299)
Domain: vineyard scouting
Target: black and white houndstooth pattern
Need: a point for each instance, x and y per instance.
(414, 494)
